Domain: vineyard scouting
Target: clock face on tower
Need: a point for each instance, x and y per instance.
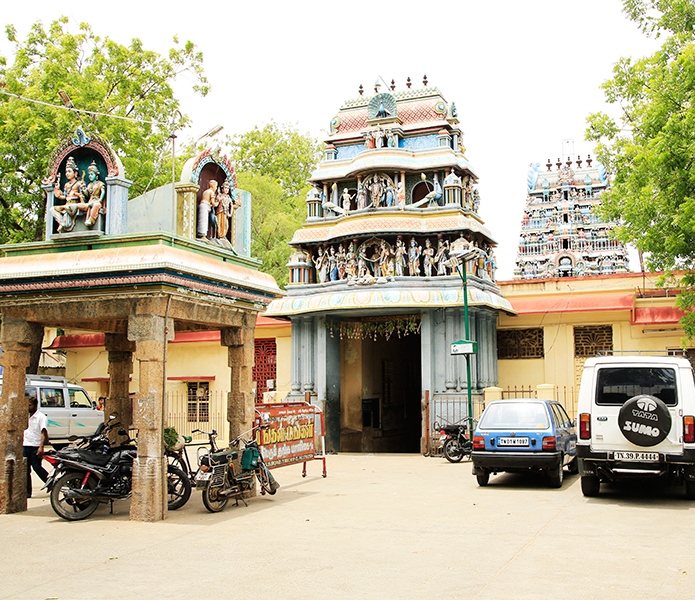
(381, 106)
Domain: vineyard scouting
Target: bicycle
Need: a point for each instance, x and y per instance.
(179, 458)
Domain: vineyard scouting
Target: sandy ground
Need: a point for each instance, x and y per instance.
(379, 526)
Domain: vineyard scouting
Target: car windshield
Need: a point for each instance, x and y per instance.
(515, 415)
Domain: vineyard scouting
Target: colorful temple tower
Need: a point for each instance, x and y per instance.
(562, 234)
(375, 294)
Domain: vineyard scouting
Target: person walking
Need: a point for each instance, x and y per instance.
(35, 438)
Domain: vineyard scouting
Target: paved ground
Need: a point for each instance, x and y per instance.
(380, 526)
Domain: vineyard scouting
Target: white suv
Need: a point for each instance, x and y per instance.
(67, 406)
(636, 419)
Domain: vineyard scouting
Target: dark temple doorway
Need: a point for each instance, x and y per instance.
(381, 395)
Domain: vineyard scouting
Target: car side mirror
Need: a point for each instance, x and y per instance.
(574, 422)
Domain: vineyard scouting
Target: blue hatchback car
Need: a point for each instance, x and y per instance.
(521, 434)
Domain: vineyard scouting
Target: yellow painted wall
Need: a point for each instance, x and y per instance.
(559, 366)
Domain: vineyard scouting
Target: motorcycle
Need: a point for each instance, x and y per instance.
(93, 471)
(219, 480)
(455, 443)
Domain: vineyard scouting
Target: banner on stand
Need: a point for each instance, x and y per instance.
(286, 435)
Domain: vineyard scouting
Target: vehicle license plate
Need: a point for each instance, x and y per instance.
(203, 476)
(512, 441)
(637, 456)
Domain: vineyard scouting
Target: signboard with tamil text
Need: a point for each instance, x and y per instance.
(287, 433)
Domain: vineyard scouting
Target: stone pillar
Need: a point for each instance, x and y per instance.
(120, 350)
(18, 338)
(308, 343)
(240, 349)
(117, 205)
(296, 358)
(451, 361)
(186, 205)
(150, 334)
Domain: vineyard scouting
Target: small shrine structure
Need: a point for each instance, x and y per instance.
(562, 233)
(375, 294)
(137, 281)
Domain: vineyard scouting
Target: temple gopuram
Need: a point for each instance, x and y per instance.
(375, 294)
(562, 234)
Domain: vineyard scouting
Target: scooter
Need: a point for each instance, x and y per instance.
(219, 480)
(455, 443)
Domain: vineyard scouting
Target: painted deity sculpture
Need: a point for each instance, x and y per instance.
(206, 212)
(95, 192)
(225, 210)
(428, 258)
(65, 214)
(414, 253)
(401, 253)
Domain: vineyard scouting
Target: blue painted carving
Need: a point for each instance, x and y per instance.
(602, 174)
(346, 152)
(81, 138)
(532, 176)
(422, 142)
(195, 176)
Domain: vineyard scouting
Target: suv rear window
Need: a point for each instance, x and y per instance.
(616, 385)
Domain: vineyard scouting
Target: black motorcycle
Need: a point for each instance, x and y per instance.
(455, 443)
(219, 480)
(94, 471)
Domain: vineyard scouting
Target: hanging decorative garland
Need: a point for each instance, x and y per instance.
(374, 327)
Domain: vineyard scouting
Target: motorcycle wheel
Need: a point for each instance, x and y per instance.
(452, 451)
(178, 488)
(212, 500)
(72, 509)
(263, 476)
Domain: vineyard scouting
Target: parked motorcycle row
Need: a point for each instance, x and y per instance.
(94, 471)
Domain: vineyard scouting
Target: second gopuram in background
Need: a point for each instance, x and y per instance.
(562, 234)
(375, 293)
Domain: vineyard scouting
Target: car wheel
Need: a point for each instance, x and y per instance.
(557, 475)
(690, 490)
(483, 479)
(574, 466)
(590, 485)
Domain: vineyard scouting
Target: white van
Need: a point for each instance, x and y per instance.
(68, 407)
(636, 418)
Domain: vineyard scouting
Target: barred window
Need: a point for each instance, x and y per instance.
(198, 401)
(592, 339)
(520, 343)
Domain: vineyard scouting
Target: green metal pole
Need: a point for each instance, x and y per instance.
(468, 356)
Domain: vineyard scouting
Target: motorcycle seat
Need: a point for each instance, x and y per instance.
(96, 458)
(223, 457)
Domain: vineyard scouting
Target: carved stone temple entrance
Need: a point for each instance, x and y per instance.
(137, 289)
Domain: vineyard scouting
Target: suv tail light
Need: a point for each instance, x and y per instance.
(585, 426)
(549, 443)
(689, 429)
(478, 442)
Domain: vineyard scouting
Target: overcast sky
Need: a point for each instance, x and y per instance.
(524, 74)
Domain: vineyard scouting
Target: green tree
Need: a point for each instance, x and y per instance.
(650, 148)
(99, 75)
(274, 164)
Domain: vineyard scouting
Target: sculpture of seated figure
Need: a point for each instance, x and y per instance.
(65, 214)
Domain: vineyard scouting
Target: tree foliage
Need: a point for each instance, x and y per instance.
(99, 75)
(274, 164)
(650, 148)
